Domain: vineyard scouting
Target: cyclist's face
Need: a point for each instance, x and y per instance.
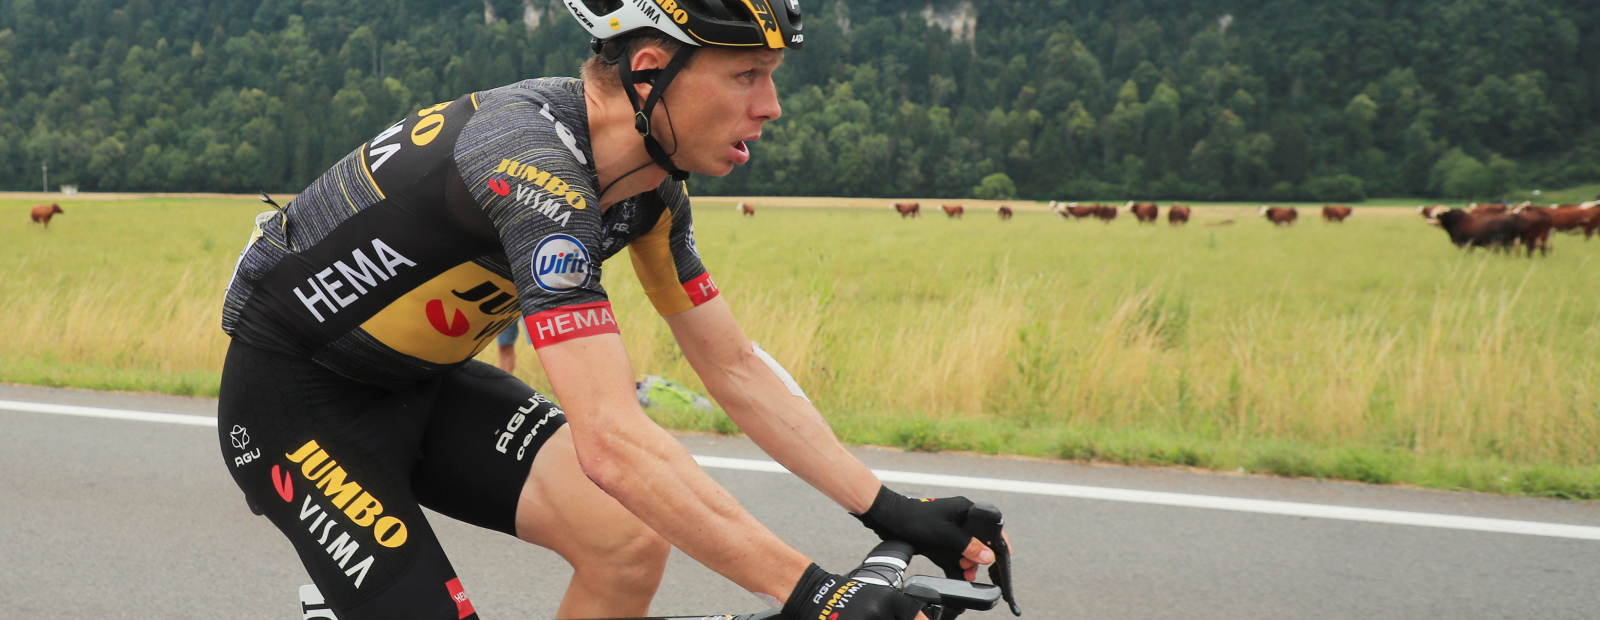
(718, 105)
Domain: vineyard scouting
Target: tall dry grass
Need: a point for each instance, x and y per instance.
(1367, 350)
(107, 321)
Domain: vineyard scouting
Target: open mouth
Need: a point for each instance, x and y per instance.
(741, 152)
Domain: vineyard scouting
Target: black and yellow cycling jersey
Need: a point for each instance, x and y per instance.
(413, 252)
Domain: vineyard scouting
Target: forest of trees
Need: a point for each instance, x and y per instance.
(1040, 99)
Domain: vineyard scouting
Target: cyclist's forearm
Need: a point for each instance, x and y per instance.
(791, 430)
(652, 475)
(785, 425)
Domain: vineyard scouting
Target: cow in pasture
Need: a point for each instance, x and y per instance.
(1574, 218)
(953, 211)
(907, 209)
(1489, 207)
(1004, 211)
(1178, 215)
(1335, 213)
(749, 210)
(42, 213)
(1430, 212)
(1280, 216)
(1497, 231)
(1536, 229)
(1147, 212)
(1079, 212)
(1105, 213)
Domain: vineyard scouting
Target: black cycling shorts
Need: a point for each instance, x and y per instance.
(343, 469)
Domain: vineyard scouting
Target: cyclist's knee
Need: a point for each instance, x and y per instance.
(636, 559)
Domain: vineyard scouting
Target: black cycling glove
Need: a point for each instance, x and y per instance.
(933, 526)
(824, 596)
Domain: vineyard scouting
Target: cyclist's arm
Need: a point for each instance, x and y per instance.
(786, 426)
(653, 476)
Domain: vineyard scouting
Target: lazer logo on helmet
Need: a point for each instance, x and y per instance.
(763, 14)
(573, 8)
(560, 264)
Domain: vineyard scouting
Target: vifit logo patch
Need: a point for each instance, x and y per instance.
(561, 264)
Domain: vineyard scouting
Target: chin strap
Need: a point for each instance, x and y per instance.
(658, 79)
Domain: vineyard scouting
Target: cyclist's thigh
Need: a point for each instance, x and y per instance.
(486, 429)
(499, 455)
(328, 462)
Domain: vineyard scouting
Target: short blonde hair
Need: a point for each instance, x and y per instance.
(601, 68)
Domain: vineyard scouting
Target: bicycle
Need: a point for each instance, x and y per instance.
(942, 599)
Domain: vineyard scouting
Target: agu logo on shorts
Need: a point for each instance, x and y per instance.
(560, 264)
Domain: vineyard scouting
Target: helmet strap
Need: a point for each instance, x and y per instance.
(658, 79)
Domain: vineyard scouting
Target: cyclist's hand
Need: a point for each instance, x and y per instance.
(832, 597)
(933, 526)
(978, 554)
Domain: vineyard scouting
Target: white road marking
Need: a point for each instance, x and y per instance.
(114, 414)
(1159, 498)
(1213, 502)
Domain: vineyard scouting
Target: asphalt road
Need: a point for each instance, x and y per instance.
(123, 519)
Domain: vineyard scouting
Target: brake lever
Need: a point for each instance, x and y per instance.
(985, 523)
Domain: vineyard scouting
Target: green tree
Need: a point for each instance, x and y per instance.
(996, 186)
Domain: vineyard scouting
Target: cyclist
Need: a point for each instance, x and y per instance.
(355, 312)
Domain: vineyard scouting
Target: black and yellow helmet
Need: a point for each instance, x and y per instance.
(769, 24)
(729, 24)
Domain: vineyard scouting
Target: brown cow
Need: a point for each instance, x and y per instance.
(1335, 213)
(43, 213)
(1280, 216)
(1430, 212)
(953, 211)
(1105, 213)
(1079, 212)
(1573, 218)
(749, 210)
(1178, 215)
(1004, 211)
(1536, 231)
(1489, 207)
(1147, 212)
(907, 209)
(1497, 231)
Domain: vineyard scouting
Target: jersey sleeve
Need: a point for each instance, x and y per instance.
(526, 170)
(666, 260)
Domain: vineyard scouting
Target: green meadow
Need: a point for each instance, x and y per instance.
(1371, 351)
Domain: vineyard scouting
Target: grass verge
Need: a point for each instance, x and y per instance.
(1369, 351)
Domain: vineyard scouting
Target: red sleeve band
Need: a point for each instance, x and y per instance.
(571, 322)
(701, 289)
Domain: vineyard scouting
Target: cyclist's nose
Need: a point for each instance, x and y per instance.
(766, 106)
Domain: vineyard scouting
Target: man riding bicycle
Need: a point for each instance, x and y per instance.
(355, 313)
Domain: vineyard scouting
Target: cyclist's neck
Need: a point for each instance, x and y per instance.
(617, 148)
